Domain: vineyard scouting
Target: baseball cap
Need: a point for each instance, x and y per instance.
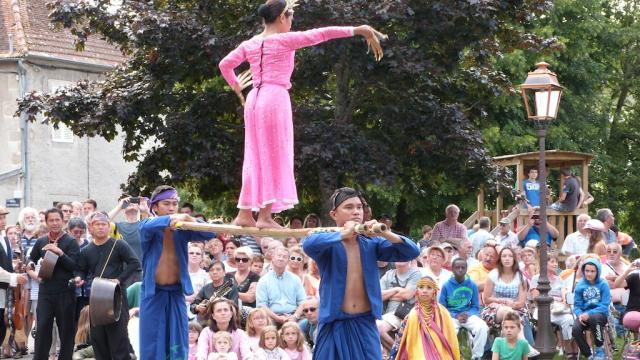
(505, 220)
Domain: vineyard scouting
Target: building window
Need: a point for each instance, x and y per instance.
(62, 134)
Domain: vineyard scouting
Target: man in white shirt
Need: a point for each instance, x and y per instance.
(433, 258)
(480, 237)
(577, 243)
(506, 237)
(464, 251)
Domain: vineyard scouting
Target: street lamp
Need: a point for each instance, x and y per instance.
(541, 92)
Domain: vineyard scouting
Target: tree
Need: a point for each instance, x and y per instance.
(409, 123)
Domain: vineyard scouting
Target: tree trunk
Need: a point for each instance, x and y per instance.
(400, 223)
(328, 183)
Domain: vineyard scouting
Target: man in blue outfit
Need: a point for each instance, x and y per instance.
(163, 311)
(347, 260)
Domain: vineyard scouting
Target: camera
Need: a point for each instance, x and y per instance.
(134, 200)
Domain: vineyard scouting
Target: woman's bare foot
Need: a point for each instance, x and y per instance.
(244, 219)
(267, 223)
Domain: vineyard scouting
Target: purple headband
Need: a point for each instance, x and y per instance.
(164, 195)
(98, 216)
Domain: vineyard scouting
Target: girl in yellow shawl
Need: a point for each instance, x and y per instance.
(428, 331)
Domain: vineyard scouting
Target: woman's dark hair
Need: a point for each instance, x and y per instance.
(216, 262)
(270, 10)
(514, 267)
(233, 322)
(76, 222)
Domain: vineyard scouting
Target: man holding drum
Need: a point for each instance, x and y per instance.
(114, 260)
(56, 297)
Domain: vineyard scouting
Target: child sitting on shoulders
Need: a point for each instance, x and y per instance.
(222, 343)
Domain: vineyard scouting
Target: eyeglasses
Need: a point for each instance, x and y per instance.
(612, 251)
(194, 253)
(244, 260)
(311, 309)
(296, 258)
(67, 211)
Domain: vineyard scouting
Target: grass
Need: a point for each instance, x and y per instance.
(466, 351)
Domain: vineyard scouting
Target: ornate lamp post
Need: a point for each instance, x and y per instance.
(541, 93)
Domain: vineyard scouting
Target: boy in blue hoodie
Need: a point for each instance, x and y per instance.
(591, 306)
(460, 296)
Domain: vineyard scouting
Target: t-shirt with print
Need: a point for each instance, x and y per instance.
(506, 352)
(532, 191)
(394, 279)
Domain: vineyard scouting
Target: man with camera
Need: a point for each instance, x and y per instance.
(135, 209)
(531, 231)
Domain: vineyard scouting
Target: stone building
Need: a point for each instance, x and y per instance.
(40, 165)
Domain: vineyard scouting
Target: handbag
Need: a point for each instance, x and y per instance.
(558, 308)
(631, 351)
(403, 310)
(405, 307)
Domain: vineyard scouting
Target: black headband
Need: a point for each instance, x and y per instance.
(343, 194)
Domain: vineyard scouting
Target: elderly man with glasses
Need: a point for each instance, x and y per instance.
(280, 292)
(506, 237)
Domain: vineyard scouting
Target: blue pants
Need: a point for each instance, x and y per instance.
(164, 333)
(351, 337)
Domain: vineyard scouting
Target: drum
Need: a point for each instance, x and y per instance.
(105, 302)
(47, 265)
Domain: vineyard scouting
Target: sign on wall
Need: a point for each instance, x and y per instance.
(12, 203)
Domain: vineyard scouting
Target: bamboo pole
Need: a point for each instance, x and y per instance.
(375, 229)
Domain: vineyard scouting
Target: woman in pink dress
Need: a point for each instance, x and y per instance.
(268, 183)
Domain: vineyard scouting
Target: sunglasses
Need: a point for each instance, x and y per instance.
(244, 260)
(296, 258)
(194, 253)
(311, 309)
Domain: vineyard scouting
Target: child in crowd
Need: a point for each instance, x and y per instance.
(510, 347)
(256, 321)
(194, 333)
(222, 342)
(591, 307)
(292, 341)
(84, 350)
(269, 350)
(257, 264)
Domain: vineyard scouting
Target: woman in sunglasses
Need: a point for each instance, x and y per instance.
(297, 261)
(244, 277)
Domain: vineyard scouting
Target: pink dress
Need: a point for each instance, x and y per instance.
(299, 355)
(267, 170)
